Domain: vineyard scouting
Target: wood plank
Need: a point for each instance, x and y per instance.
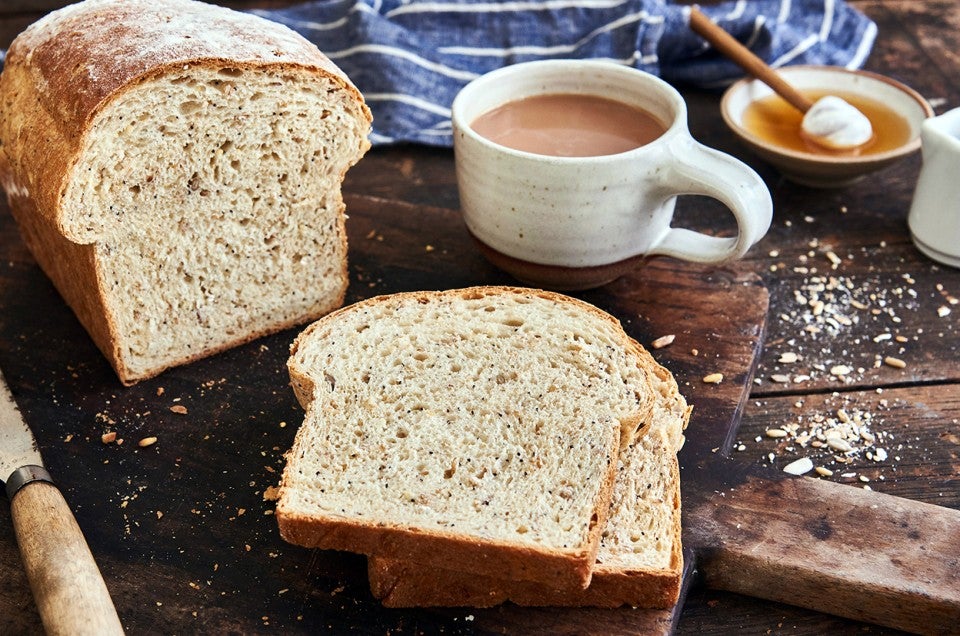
(860, 554)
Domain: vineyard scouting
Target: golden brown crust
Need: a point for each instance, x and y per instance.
(572, 568)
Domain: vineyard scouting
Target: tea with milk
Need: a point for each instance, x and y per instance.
(568, 125)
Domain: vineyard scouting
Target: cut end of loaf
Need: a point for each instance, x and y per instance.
(212, 197)
(491, 414)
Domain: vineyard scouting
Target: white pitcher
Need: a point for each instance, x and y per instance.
(934, 217)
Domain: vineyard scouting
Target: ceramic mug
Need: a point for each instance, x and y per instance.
(934, 217)
(572, 223)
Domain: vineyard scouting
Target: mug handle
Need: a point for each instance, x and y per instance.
(700, 170)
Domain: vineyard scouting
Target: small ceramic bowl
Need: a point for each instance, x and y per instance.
(824, 170)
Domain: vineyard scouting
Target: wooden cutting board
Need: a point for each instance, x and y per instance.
(183, 529)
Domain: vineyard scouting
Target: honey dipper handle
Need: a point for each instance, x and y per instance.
(730, 47)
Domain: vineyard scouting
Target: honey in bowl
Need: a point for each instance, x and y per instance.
(777, 122)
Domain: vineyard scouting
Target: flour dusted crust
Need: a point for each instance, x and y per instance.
(63, 80)
(308, 510)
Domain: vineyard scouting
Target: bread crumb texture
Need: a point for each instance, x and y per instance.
(210, 216)
(486, 412)
(640, 529)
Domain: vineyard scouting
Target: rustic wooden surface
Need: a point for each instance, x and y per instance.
(181, 530)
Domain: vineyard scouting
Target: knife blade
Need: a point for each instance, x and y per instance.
(67, 586)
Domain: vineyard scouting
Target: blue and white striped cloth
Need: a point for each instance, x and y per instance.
(409, 58)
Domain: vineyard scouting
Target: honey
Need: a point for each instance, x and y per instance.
(777, 122)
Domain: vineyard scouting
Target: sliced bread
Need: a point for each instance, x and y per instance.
(476, 427)
(175, 168)
(639, 563)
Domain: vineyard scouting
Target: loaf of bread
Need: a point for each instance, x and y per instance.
(175, 168)
(478, 428)
(639, 564)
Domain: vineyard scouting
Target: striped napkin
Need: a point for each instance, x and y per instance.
(409, 58)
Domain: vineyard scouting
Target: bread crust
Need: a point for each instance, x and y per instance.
(570, 569)
(63, 70)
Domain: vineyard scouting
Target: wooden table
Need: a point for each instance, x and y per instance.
(146, 514)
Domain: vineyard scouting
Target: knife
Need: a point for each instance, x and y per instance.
(66, 582)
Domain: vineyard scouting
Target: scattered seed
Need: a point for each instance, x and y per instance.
(896, 363)
(943, 311)
(663, 341)
(788, 357)
(799, 467)
(839, 445)
(781, 378)
(833, 258)
(179, 408)
(840, 370)
(824, 472)
(775, 432)
(147, 441)
(109, 438)
(713, 378)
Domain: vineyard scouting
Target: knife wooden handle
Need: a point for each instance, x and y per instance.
(66, 582)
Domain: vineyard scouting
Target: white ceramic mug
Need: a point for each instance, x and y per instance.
(579, 222)
(934, 217)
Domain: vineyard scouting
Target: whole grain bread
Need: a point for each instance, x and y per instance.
(640, 561)
(479, 427)
(175, 168)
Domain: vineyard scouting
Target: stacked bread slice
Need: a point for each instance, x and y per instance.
(487, 444)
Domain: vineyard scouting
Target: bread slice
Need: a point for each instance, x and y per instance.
(175, 168)
(640, 562)
(477, 427)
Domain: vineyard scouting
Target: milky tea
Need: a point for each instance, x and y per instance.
(568, 125)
